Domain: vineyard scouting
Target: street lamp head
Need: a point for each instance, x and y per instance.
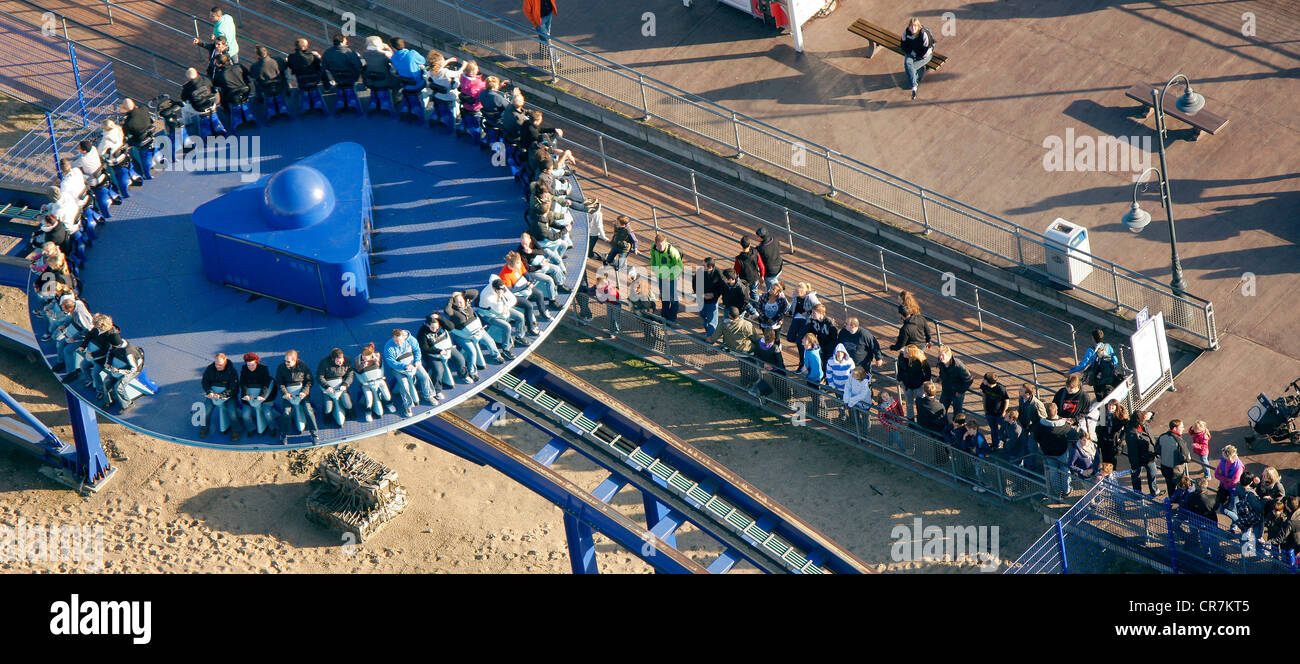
(1190, 102)
(1136, 218)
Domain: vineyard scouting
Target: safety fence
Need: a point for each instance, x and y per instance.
(34, 158)
(791, 395)
(1112, 528)
(894, 199)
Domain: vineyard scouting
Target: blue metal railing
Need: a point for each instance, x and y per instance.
(1111, 523)
(34, 157)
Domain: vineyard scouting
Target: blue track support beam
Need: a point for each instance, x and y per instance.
(609, 488)
(724, 562)
(14, 274)
(582, 546)
(551, 452)
(92, 465)
(460, 437)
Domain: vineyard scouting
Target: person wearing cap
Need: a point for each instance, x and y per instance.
(220, 393)
(334, 376)
(293, 380)
(440, 355)
(122, 365)
(402, 361)
(497, 307)
(256, 395)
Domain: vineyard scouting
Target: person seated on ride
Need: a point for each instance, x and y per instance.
(375, 394)
(221, 394)
(334, 376)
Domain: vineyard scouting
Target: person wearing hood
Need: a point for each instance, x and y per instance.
(1083, 460)
(402, 360)
(497, 306)
(334, 376)
(440, 355)
(467, 331)
(839, 369)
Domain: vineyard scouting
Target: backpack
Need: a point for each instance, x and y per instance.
(1103, 366)
(934, 43)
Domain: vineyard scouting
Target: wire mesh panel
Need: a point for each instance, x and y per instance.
(689, 115)
(33, 158)
(887, 195)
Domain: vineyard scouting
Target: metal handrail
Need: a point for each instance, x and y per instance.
(1179, 305)
(109, 6)
(94, 32)
(106, 56)
(1072, 345)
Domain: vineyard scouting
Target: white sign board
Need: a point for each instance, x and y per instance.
(1150, 354)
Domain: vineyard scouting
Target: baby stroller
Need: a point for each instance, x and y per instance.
(1275, 420)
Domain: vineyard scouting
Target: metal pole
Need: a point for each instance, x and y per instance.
(65, 28)
(884, 276)
(645, 104)
(696, 191)
(844, 300)
(830, 174)
(1074, 343)
(109, 6)
(788, 231)
(76, 77)
(54, 144)
(979, 313)
(604, 165)
(196, 29)
(925, 214)
(938, 332)
(1020, 249)
(735, 129)
(1178, 284)
(1034, 367)
(1114, 279)
(239, 9)
(654, 215)
(325, 30)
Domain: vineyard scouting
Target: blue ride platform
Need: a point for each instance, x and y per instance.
(444, 218)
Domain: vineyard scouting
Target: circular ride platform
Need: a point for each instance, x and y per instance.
(444, 218)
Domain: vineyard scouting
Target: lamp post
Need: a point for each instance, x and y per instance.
(1136, 218)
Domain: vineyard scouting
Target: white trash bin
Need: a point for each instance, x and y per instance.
(1069, 254)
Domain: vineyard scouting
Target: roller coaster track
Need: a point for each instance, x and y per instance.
(677, 483)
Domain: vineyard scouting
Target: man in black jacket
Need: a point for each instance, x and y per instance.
(342, 63)
(713, 287)
(305, 65)
(956, 380)
(221, 392)
(735, 293)
(930, 413)
(334, 376)
(232, 81)
(268, 77)
(860, 344)
(138, 129)
(293, 380)
(914, 330)
(769, 249)
(1173, 453)
(1072, 402)
(1053, 436)
(1141, 452)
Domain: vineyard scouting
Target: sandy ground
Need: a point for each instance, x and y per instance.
(173, 509)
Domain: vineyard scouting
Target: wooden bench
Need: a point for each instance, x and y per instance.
(1203, 121)
(879, 36)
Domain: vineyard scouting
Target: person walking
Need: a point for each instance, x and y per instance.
(1142, 453)
(918, 48)
(539, 13)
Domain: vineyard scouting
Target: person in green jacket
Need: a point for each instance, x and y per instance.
(224, 26)
(666, 266)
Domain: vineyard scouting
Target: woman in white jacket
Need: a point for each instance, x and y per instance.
(113, 152)
(505, 323)
(857, 395)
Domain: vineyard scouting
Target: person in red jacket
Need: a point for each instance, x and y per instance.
(539, 13)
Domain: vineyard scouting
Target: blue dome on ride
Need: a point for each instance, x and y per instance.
(297, 197)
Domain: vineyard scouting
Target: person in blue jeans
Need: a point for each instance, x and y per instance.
(402, 361)
(712, 286)
(996, 401)
(918, 48)
(221, 393)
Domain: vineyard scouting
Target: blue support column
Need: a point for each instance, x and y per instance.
(582, 545)
(92, 465)
(1060, 545)
(1169, 530)
(76, 76)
